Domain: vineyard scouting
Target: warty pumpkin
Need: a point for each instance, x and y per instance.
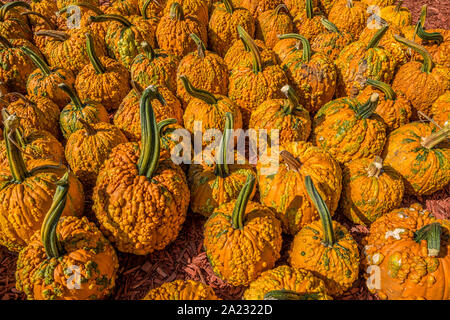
(285, 278)
(257, 7)
(249, 87)
(152, 8)
(326, 248)
(12, 24)
(26, 193)
(393, 108)
(155, 67)
(64, 3)
(124, 8)
(369, 190)
(242, 238)
(141, 198)
(349, 16)
(42, 23)
(437, 43)
(307, 23)
(64, 247)
(197, 9)
(420, 153)
(287, 116)
(421, 82)
(212, 185)
(103, 80)
(205, 69)
(174, 30)
(396, 15)
(284, 47)
(88, 110)
(349, 130)
(272, 23)
(312, 74)
(182, 290)
(222, 27)
(46, 8)
(296, 7)
(284, 190)
(379, 3)
(332, 41)
(407, 256)
(440, 109)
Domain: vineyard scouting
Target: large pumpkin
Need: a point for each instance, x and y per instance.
(349, 16)
(272, 23)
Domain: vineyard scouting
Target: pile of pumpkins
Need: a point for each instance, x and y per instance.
(91, 99)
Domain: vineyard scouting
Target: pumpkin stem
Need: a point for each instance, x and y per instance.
(95, 61)
(375, 168)
(228, 6)
(111, 17)
(85, 5)
(221, 168)
(200, 45)
(20, 96)
(368, 108)
(292, 162)
(203, 95)
(306, 56)
(384, 87)
(136, 87)
(432, 234)
(5, 42)
(429, 36)
(349, 4)
(237, 218)
(330, 26)
(90, 131)
(291, 95)
(325, 216)
(52, 245)
(15, 159)
(164, 123)
(150, 150)
(176, 11)
(289, 295)
(6, 7)
(377, 37)
(281, 7)
(46, 20)
(436, 137)
(58, 35)
(72, 95)
(428, 64)
(309, 9)
(398, 6)
(248, 41)
(148, 50)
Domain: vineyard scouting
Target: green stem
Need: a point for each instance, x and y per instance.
(292, 162)
(111, 17)
(384, 87)
(5, 42)
(429, 36)
(221, 168)
(428, 64)
(432, 234)
(436, 137)
(150, 144)
(59, 35)
(148, 50)
(330, 26)
(366, 110)
(95, 61)
(377, 37)
(72, 95)
(309, 9)
(203, 95)
(5, 8)
(85, 5)
(228, 6)
(164, 123)
(325, 216)
(306, 56)
(176, 11)
(398, 6)
(248, 41)
(237, 218)
(291, 95)
(49, 237)
(46, 20)
(200, 45)
(280, 7)
(90, 131)
(289, 295)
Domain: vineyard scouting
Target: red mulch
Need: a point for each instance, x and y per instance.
(185, 258)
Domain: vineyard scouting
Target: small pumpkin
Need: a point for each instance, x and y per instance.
(396, 15)
(182, 290)
(284, 47)
(45, 8)
(257, 7)
(349, 16)
(307, 23)
(66, 246)
(420, 153)
(332, 41)
(242, 238)
(285, 278)
(326, 248)
(272, 23)
(440, 109)
(407, 255)
(88, 110)
(284, 190)
(197, 9)
(12, 24)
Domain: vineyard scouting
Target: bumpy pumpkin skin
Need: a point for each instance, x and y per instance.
(138, 215)
(286, 278)
(439, 52)
(128, 119)
(124, 7)
(296, 7)
(308, 27)
(197, 9)
(154, 9)
(257, 7)
(86, 151)
(366, 198)
(440, 109)
(331, 43)
(222, 26)
(337, 130)
(399, 18)
(404, 269)
(237, 57)
(64, 3)
(349, 19)
(30, 201)
(379, 3)
(14, 27)
(239, 256)
(182, 290)
(161, 71)
(271, 24)
(45, 7)
(284, 47)
(108, 88)
(337, 266)
(47, 279)
(424, 171)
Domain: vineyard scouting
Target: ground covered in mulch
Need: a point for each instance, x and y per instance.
(186, 259)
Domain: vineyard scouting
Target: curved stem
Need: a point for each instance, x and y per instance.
(150, 144)
(144, 9)
(95, 61)
(221, 168)
(90, 131)
(327, 224)
(398, 6)
(136, 87)
(176, 11)
(228, 6)
(375, 168)
(237, 218)
(349, 4)
(52, 245)
(292, 162)
(6, 7)
(111, 17)
(164, 123)
(309, 9)
(72, 95)
(377, 37)
(200, 45)
(384, 87)
(429, 36)
(432, 234)
(306, 56)
(289, 295)
(248, 41)
(428, 64)
(203, 95)
(59, 35)
(85, 5)
(436, 137)
(368, 108)
(46, 20)
(148, 50)
(5, 42)
(330, 26)
(291, 95)
(280, 7)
